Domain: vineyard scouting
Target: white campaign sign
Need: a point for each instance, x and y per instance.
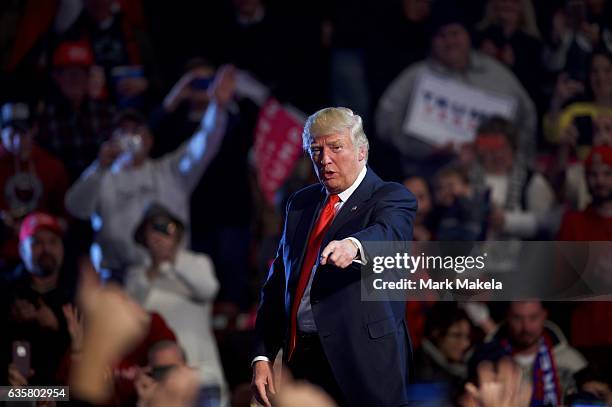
(447, 111)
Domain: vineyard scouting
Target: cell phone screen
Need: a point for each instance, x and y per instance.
(21, 357)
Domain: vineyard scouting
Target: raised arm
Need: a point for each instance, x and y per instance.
(192, 158)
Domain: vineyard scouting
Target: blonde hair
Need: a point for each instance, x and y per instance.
(335, 120)
(527, 24)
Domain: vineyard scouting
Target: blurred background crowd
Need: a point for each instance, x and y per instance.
(150, 147)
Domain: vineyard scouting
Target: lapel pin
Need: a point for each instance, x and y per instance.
(354, 208)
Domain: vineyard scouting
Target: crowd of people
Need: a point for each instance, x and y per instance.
(134, 236)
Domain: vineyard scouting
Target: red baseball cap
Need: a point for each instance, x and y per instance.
(71, 53)
(36, 221)
(599, 154)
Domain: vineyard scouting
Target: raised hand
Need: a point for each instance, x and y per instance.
(222, 89)
(501, 388)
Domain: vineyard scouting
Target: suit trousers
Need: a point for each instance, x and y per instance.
(309, 363)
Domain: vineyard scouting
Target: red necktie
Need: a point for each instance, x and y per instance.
(312, 252)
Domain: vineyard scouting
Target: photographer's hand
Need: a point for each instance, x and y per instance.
(145, 388)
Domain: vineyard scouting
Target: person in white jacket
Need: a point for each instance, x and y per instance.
(181, 286)
(115, 190)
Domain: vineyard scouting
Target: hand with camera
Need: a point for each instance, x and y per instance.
(162, 243)
(224, 85)
(145, 386)
(109, 151)
(193, 81)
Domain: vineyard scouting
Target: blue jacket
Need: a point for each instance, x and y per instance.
(366, 343)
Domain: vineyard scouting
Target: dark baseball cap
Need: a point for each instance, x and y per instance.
(157, 213)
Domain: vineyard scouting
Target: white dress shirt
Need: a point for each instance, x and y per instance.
(305, 319)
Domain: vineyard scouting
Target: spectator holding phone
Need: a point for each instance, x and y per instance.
(219, 227)
(181, 286)
(115, 190)
(166, 358)
(36, 297)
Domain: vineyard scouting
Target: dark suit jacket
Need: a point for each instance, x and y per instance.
(366, 343)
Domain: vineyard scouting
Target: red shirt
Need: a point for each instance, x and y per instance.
(585, 225)
(592, 320)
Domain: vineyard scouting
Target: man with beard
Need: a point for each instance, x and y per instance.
(594, 223)
(35, 302)
(539, 348)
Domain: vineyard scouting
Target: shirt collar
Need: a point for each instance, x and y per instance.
(346, 194)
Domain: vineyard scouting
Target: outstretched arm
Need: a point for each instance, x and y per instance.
(392, 222)
(192, 158)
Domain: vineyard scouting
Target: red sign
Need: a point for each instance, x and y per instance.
(278, 146)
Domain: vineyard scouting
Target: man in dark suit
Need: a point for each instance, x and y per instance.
(311, 306)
